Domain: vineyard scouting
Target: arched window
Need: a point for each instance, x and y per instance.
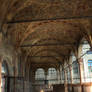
(52, 76)
(40, 74)
(75, 69)
(4, 68)
(90, 67)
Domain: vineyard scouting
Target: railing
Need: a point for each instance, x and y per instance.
(49, 81)
(77, 80)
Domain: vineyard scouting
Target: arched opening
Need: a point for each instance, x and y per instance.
(52, 76)
(75, 69)
(40, 76)
(5, 73)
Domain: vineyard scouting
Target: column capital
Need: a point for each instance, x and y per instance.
(80, 61)
(70, 68)
(65, 71)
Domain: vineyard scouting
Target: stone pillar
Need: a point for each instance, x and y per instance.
(59, 76)
(65, 82)
(0, 62)
(33, 77)
(81, 73)
(80, 70)
(46, 74)
(57, 80)
(0, 74)
(71, 76)
(28, 73)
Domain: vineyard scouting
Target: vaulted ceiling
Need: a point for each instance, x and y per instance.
(46, 30)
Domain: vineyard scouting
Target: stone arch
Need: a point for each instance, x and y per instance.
(9, 65)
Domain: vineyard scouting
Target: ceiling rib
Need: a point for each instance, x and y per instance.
(39, 20)
(45, 56)
(32, 63)
(58, 44)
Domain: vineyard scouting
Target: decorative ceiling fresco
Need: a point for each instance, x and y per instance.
(46, 30)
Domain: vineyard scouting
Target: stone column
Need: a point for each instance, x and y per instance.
(81, 73)
(61, 75)
(0, 62)
(65, 82)
(0, 74)
(80, 70)
(33, 76)
(71, 76)
(46, 74)
(57, 80)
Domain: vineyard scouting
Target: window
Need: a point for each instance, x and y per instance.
(52, 76)
(90, 66)
(89, 52)
(4, 68)
(40, 75)
(75, 67)
(75, 72)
